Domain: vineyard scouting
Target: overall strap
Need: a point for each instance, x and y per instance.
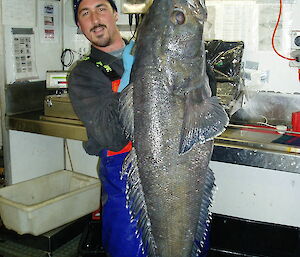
(114, 77)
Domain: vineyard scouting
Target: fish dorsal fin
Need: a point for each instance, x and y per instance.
(204, 119)
(135, 202)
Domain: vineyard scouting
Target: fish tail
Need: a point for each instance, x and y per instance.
(135, 202)
(203, 120)
(204, 215)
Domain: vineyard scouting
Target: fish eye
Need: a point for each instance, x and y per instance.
(177, 17)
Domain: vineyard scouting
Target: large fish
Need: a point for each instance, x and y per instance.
(174, 120)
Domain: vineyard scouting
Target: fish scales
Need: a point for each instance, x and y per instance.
(174, 121)
(172, 185)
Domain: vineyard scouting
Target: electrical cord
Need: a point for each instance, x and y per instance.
(71, 54)
(130, 21)
(281, 129)
(274, 32)
(69, 155)
(138, 18)
(63, 57)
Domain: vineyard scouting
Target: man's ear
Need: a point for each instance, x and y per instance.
(78, 25)
(116, 14)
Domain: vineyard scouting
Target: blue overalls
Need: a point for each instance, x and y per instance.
(118, 231)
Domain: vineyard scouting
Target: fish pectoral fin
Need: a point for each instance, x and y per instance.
(203, 120)
(126, 110)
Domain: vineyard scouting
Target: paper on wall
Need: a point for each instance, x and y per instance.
(24, 57)
(49, 22)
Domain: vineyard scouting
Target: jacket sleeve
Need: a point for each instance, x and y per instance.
(97, 106)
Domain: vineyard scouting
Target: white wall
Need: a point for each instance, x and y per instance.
(256, 193)
(49, 53)
(29, 155)
(2, 76)
(72, 40)
(34, 155)
(78, 160)
(30, 15)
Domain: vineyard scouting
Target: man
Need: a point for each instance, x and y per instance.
(93, 89)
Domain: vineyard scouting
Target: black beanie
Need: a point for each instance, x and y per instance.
(77, 2)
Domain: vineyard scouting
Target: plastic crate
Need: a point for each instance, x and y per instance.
(47, 202)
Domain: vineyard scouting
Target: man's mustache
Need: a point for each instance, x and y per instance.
(97, 26)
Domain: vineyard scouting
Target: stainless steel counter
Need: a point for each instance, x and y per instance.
(255, 147)
(237, 145)
(35, 122)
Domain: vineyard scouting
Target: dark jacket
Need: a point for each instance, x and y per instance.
(96, 104)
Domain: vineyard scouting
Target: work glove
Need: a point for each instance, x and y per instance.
(128, 60)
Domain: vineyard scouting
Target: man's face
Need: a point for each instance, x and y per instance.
(97, 21)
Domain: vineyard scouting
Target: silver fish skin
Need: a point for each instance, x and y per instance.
(170, 116)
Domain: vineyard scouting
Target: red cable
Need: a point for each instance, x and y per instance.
(273, 36)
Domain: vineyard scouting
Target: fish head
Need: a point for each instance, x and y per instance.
(186, 22)
(183, 47)
(170, 39)
(170, 25)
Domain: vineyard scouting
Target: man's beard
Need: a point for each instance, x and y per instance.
(101, 41)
